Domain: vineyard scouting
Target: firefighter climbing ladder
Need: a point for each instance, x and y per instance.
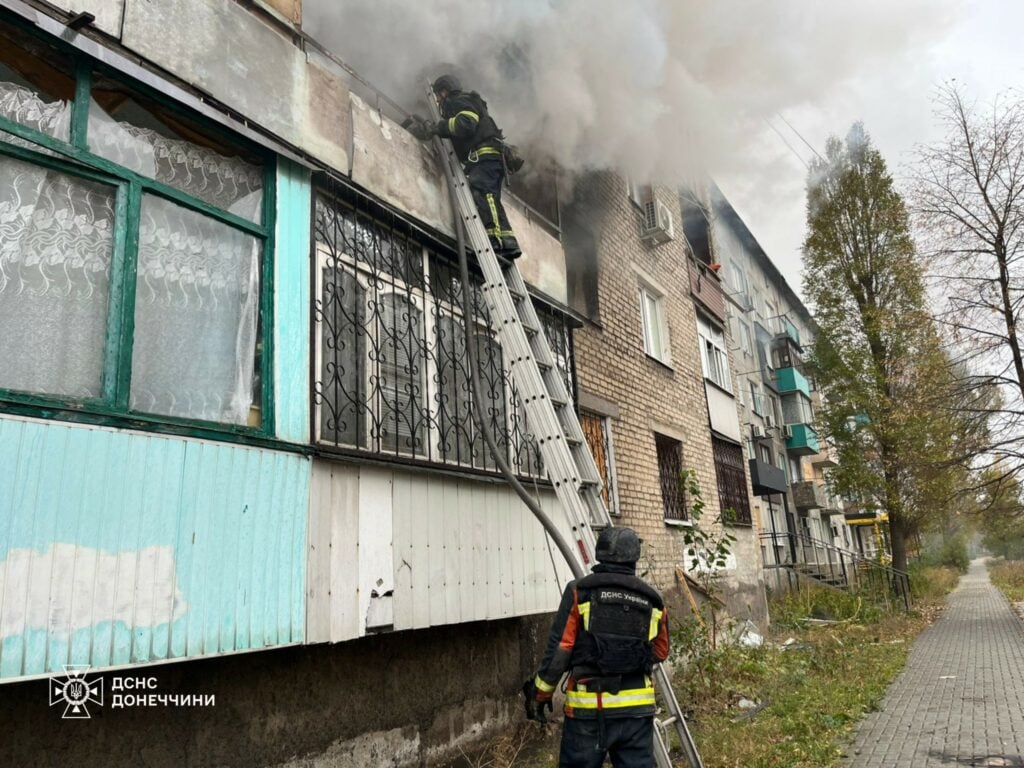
(567, 458)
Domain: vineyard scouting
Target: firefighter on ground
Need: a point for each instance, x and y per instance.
(478, 144)
(610, 629)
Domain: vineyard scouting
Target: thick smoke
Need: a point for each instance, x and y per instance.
(644, 86)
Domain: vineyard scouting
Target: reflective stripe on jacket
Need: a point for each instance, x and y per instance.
(465, 120)
(635, 694)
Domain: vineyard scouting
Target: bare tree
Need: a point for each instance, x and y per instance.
(968, 197)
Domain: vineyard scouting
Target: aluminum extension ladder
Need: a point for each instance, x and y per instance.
(567, 459)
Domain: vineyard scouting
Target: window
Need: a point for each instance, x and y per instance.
(598, 431)
(639, 194)
(774, 409)
(655, 327)
(738, 283)
(757, 399)
(393, 376)
(746, 343)
(670, 472)
(134, 249)
(714, 354)
(732, 482)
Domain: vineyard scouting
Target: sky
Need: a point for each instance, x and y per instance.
(978, 43)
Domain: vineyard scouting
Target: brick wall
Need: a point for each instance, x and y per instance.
(649, 397)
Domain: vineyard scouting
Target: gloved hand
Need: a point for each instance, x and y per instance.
(420, 128)
(536, 702)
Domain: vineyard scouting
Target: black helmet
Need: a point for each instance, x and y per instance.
(448, 83)
(618, 545)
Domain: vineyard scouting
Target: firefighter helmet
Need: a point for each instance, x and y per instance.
(618, 545)
(448, 83)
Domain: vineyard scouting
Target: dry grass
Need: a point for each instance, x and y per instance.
(1008, 576)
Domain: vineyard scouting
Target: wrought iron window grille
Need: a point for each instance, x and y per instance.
(391, 369)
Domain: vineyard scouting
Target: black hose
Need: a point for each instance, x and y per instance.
(564, 547)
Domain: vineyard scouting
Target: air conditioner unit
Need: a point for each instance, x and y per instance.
(657, 224)
(757, 430)
(787, 431)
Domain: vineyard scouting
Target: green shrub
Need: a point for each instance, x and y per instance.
(951, 552)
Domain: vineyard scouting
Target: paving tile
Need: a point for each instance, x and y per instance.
(959, 700)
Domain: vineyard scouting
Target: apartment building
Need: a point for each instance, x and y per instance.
(771, 332)
(234, 409)
(656, 388)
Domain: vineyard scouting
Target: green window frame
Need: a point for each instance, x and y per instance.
(74, 158)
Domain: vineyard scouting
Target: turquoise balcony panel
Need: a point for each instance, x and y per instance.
(791, 380)
(803, 440)
(790, 330)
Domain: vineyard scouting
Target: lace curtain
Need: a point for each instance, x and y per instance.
(56, 236)
(197, 292)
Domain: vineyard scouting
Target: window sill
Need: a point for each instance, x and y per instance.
(661, 363)
(719, 387)
(679, 523)
(737, 524)
(142, 425)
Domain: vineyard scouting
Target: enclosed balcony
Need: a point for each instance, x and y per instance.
(809, 494)
(802, 440)
(791, 380)
(786, 328)
(766, 479)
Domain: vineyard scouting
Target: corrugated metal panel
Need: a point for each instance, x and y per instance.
(291, 302)
(459, 550)
(120, 548)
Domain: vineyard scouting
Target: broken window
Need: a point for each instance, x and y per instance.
(37, 86)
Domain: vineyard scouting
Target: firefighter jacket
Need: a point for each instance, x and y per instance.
(466, 122)
(610, 629)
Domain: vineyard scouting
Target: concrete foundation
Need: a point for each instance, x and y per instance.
(402, 699)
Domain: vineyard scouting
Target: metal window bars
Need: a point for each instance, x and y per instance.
(391, 372)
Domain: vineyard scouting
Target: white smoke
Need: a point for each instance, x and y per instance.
(644, 86)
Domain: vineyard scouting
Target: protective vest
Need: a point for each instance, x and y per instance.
(611, 662)
(466, 121)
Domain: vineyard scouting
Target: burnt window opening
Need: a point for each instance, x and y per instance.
(670, 473)
(598, 432)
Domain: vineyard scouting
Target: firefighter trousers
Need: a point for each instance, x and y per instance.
(628, 741)
(486, 177)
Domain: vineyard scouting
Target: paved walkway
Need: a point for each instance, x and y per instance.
(960, 700)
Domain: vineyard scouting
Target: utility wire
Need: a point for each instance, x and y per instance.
(788, 145)
(794, 130)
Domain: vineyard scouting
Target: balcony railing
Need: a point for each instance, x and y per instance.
(804, 556)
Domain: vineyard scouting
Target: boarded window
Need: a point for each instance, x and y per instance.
(598, 432)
